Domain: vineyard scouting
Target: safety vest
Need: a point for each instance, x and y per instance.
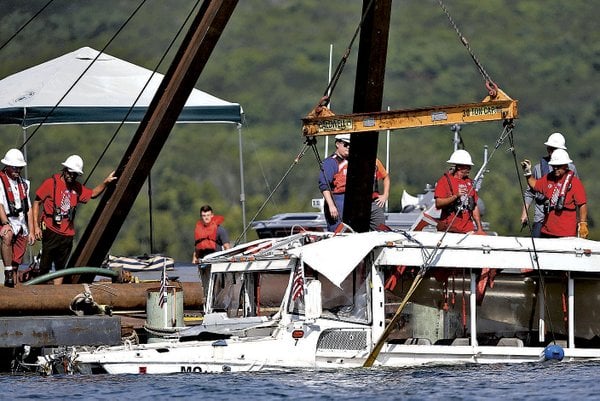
(10, 196)
(74, 193)
(339, 178)
(460, 204)
(559, 192)
(206, 235)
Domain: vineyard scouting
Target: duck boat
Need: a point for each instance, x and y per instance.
(397, 299)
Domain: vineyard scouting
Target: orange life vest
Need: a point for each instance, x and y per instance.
(206, 235)
(339, 178)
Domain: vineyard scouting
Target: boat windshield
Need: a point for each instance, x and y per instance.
(351, 302)
(245, 294)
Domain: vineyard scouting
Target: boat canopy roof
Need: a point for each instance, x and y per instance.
(336, 257)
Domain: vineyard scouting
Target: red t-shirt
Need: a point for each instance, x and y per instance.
(562, 223)
(463, 222)
(54, 193)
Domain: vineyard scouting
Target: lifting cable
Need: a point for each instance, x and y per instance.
(82, 74)
(14, 35)
(324, 102)
(541, 280)
(162, 58)
(171, 44)
(295, 162)
(489, 83)
(428, 257)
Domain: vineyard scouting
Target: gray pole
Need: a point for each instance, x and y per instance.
(242, 191)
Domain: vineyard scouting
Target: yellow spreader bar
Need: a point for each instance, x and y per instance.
(501, 108)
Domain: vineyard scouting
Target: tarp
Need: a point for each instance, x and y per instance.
(103, 95)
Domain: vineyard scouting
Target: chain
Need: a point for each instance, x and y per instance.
(465, 42)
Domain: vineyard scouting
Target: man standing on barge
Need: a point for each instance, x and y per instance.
(54, 209)
(16, 222)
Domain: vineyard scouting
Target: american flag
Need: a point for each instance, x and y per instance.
(164, 282)
(298, 283)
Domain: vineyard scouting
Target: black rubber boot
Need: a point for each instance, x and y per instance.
(8, 279)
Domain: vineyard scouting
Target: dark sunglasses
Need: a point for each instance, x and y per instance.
(346, 144)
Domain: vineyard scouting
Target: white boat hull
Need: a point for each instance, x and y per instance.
(338, 302)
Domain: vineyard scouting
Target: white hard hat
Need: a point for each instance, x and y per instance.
(14, 158)
(557, 141)
(74, 164)
(460, 156)
(559, 157)
(343, 137)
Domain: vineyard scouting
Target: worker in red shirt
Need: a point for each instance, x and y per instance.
(565, 197)
(54, 209)
(456, 197)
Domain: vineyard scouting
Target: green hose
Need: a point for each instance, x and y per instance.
(100, 271)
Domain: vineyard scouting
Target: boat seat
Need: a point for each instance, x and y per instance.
(461, 341)
(417, 341)
(510, 342)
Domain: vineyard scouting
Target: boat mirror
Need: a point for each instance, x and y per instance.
(312, 299)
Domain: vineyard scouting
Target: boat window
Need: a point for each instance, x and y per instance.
(249, 294)
(348, 303)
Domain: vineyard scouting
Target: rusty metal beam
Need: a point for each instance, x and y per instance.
(46, 299)
(152, 133)
(46, 331)
(368, 97)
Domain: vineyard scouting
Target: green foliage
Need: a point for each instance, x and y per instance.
(273, 59)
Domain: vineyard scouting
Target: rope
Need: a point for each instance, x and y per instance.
(465, 42)
(24, 25)
(289, 170)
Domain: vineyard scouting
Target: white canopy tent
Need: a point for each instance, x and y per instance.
(104, 94)
(56, 92)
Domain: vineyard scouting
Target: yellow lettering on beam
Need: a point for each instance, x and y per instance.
(500, 108)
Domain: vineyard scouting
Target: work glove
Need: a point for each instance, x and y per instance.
(582, 229)
(526, 166)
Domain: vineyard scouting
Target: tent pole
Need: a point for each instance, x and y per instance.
(30, 250)
(242, 191)
(150, 212)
